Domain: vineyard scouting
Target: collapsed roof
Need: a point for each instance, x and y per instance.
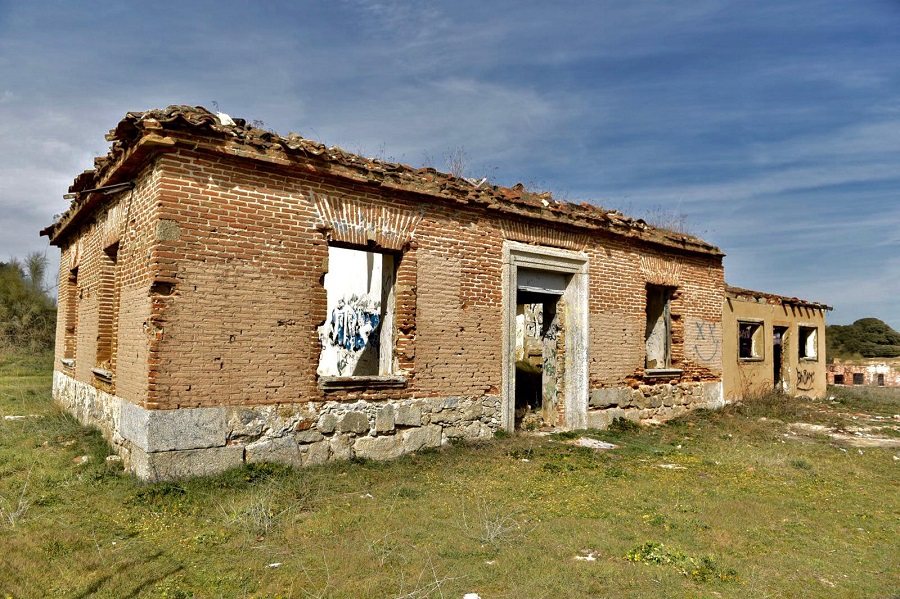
(143, 134)
(771, 298)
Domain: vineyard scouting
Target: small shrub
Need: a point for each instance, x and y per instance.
(624, 425)
(13, 512)
(703, 569)
(771, 405)
(800, 464)
(615, 472)
(157, 495)
(492, 524)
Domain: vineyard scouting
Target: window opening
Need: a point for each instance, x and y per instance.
(658, 331)
(808, 343)
(839, 379)
(750, 344)
(357, 337)
(859, 378)
(881, 380)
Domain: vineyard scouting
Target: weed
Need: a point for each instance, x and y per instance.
(492, 524)
(409, 493)
(624, 425)
(703, 569)
(615, 471)
(258, 513)
(14, 512)
(526, 453)
(800, 464)
(157, 495)
(657, 520)
(771, 405)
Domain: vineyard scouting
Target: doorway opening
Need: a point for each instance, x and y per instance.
(540, 360)
(545, 338)
(779, 342)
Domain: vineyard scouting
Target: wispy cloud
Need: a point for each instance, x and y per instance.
(775, 125)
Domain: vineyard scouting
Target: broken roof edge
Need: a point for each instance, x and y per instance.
(771, 298)
(162, 128)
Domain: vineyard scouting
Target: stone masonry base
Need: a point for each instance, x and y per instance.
(171, 444)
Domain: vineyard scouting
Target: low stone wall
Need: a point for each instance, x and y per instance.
(170, 444)
(91, 406)
(651, 403)
(318, 433)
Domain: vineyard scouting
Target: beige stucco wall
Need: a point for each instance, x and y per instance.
(752, 376)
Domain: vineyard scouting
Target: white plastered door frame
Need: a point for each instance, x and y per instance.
(575, 266)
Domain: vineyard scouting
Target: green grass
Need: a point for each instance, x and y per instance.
(717, 504)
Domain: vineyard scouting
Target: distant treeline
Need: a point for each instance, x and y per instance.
(27, 310)
(867, 337)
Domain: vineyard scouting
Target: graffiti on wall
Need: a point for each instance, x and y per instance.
(350, 335)
(707, 342)
(351, 329)
(353, 323)
(534, 320)
(805, 379)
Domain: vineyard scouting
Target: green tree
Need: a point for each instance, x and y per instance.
(27, 310)
(867, 337)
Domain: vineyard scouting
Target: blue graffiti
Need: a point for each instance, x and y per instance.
(354, 324)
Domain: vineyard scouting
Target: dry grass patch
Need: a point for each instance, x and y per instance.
(723, 493)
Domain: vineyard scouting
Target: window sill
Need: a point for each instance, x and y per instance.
(658, 373)
(809, 359)
(754, 359)
(104, 375)
(68, 363)
(342, 383)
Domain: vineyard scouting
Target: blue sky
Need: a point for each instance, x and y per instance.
(774, 126)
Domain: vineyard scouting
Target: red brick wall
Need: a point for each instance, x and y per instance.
(870, 373)
(220, 273)
(238, 317)
(117, 326)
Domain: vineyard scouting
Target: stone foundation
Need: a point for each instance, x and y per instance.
(651, 403)
(170, 444)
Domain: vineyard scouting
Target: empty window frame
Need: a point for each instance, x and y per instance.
(357, 337)
(750, 340)
(880, 380)
(859, 378)
(839, 379)
(808, 343)
(658, 334)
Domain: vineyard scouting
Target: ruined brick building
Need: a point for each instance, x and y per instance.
(874, 372)
(772, 342)
(227, 294)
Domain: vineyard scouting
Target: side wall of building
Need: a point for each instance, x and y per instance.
(104, 328)
(748, 376)
(874, 372)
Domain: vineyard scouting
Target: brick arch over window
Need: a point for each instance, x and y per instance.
(355, 223)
